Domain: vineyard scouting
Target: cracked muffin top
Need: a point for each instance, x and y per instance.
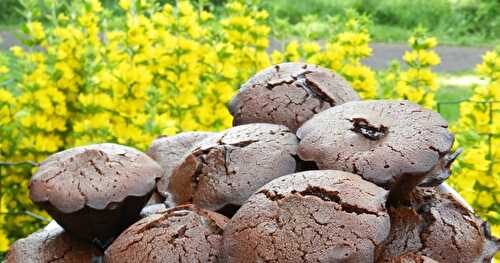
(181, 234)
(225, 169)
(289, 94)
(383, 141)
(51, 245)
(438, 226)
(313, 216)
(170, 151)
(94, 176)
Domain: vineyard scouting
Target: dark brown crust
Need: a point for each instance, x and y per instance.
(381, 140)
(180, 234)
(289, 94)
(315, 216)
(93, 176)
(95, 191)
(228, 167)
(170, 151)
(52, 245)
(436, 225)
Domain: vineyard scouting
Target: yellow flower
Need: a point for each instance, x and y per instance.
(125, 4)
(17, 51)
(36, 30)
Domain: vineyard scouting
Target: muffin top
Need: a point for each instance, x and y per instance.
(289, 94)
(228, 167)
(383, 141)
(314, 216)
(181, 234)
(95, 176)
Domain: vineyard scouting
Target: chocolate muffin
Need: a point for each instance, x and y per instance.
(52, 245)
(181, 234)
(225, 169)
(313, 216)
(95, 191)
(408, 258)
(170, 152)
(383, 141)
(436, 225)
(289, 94)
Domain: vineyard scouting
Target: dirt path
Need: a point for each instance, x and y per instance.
(453, 59)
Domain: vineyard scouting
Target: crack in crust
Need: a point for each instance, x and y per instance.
(363, 127)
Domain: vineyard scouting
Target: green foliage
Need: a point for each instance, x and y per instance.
(456, 22)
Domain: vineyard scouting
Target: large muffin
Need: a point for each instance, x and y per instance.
(289, 94)
(386, 142)
(225, 169)
(314, 216)
(95, 191)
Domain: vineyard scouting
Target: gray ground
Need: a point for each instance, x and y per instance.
(453, 59)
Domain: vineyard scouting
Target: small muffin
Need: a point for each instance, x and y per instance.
(170, 151)
(386, 142)
(95, 191)
(436, 225)
(289, 94)
(225, 169)
(314, 216)
(181, 234)
(52, 244)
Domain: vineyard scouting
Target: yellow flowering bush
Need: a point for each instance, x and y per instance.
(418, 83)
(477, 174)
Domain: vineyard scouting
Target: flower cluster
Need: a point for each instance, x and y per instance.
(418, 83)
(342, 53)
(477, 174)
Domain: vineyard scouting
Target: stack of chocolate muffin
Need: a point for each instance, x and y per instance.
(308, 173)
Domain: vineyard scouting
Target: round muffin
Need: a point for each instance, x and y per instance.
(289, 94)
(180, 234)
(436, 225)
(383, 141)
(51, 244)
(170, 151)
(95, 191)
(225, 169)
(313, 216)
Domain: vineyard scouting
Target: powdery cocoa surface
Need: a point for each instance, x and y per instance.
(182, 234)
(289, 94)
(380, 140)
(227, 168)
(315, 216)
(94, 176)
(438, 226)
(51, 245)
(170, 152)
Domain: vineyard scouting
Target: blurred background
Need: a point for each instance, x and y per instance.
(88, 71)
